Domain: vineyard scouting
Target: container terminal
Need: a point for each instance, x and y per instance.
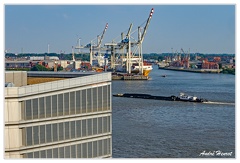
(125, 57)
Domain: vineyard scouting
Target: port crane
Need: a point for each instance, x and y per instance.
(101, 38)
(92, 48)
(141, 37)
(121, 46)
(138, 43)
(126, 43)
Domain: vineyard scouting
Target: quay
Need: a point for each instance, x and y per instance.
(192, 70)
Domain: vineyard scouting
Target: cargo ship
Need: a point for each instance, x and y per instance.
(181, 97)
(147, 68)
(135, 68)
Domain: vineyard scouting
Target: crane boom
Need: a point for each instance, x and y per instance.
(146, 26)
(126, 40)
(129, 30)
(100, 41)
(182, 50)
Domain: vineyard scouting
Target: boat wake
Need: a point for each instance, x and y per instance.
(219, 103)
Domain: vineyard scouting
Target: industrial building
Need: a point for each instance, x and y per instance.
(67, 118)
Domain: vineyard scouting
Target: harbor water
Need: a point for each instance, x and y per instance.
(171, 129)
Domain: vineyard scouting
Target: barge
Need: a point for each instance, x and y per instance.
(181, 97)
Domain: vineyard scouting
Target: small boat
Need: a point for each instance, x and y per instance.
(185, 97)
(164, 76)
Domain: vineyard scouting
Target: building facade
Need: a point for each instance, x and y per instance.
(69, 118)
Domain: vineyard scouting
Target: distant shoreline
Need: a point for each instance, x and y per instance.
(192, 70)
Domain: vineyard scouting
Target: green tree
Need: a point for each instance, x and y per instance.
(39, 68)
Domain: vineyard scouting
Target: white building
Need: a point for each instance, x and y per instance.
(68, 118)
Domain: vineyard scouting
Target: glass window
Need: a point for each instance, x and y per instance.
(55, 132)
(84, 101)
(72, 103)
(49, 153)
(66, 103)
(95, 100)
(109, 123)
(23, 109)
(42, 134)
(67, 152)
(99, 125)
(29, 136)
(36, 154)
(60, 104)
(84, 128)
(43, 154)
(105, 97)
(105, 124)
(54, 105)
(48, 106)
(28, 109)
(78, 102)
(35, 108)
(89, 127)
(41, 108)
(84, 150)
(100, 99)
(49, 133)
(78, 128)
(61, 131)
(55, 153)
(95, 149)
(61, 152)
(105, 146)
(109, 146)
(89, 149)
(30, 155)
(89, 100)
(35, 135)
(73, 129)
(73, 151)
(100, 150)
(94, 126)
(109, 97)
(79, 151)
(67, 132)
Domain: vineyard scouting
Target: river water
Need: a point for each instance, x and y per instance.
(166, 129)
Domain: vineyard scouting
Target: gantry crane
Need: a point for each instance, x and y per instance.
(93, 48)
(141, 38)
(100, 41)
(126, 44)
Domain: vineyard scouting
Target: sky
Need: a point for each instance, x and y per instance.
(202, 28)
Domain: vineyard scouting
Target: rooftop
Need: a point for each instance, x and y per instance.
(52, 81)
(36, 77)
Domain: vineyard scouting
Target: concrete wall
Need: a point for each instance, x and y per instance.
(18, 78)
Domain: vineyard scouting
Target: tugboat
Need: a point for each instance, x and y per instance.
(185, 97)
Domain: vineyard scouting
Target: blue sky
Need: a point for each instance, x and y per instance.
(202, 28)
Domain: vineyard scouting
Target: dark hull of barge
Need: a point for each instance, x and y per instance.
(166, 98)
